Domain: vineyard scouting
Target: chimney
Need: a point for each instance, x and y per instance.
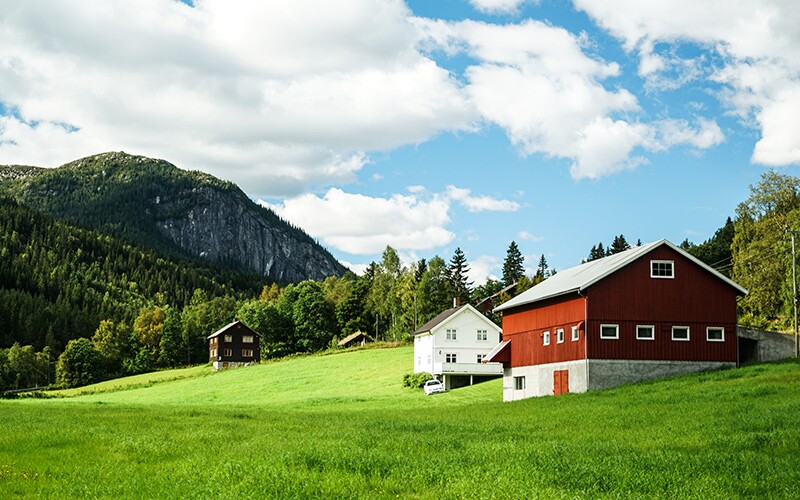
(456, 302)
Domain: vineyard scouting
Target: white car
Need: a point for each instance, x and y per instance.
(433, 386)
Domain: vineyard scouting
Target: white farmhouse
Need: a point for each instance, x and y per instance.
(451, 347)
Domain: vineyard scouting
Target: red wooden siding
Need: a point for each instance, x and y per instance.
(630, 297)
(525, 326)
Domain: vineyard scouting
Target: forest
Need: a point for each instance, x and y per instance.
(79, 306)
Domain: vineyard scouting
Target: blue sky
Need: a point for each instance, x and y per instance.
(424, 125)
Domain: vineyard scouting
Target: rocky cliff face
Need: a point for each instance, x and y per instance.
(154, 203)
(223, 227)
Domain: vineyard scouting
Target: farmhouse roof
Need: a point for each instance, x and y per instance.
(228, 327)
(579, 278)
(438, 319)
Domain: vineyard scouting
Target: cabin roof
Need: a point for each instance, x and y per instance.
(228, 327)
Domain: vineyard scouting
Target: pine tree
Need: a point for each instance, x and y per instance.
(620, 244)
(513, 268)
(462, 287)
(541, 271)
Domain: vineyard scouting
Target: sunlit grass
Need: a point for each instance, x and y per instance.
(342, 426)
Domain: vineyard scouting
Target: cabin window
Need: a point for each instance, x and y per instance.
(483, 335)
(645, 332)
(247, 339)
(680, 333)
(213, 352)
(715, 334)
(227, 352)
(481, 358)
(214, 340)
(662, 269)
(247, 353)
(546, 338)
(228, 338)
(609, 331)
(575, 333)
(451, 334)
(519, 383)
(560, 335)
(450, 358)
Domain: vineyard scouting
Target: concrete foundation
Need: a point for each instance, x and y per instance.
(594, 374)
(762, 345)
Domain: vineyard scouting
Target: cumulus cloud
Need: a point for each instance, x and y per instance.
(363, 225)
(483, 267)
(528, 236)
(497, 6)
(535, 81)
(758, 50)
(275, 95)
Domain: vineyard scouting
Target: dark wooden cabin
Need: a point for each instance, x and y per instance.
(234, 344)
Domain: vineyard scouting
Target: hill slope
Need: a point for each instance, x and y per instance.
(341, 426)
(153, 203)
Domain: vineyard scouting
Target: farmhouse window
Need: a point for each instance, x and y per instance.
(213, 352)
(575, 333)
(480, 358)
(546, 338)
(483, 335)
(450, 358)
(609, 331)
(247, 353)
(227, 352)
(451, 334)
(560, 335)
(645, 332)
(247, 339)
(228, 338)
(519, 383)
(662, 269)
(715, 334)
(680, 333)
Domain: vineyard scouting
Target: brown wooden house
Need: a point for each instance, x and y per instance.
(648, 312)
(232, 345)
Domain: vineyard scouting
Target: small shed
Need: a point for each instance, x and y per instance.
(357, 338)
(235, 344)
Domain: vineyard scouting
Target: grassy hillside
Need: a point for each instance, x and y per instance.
(341, 426)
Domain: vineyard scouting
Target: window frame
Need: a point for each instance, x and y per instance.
(652, 332)
(654, 263)
(482, 335)
(228, 338)
(245, 337)
(481, 357)
(451, 357)
(546, 338)
(227, 353)
(576, 334)
(451, 334)
(247, 353)
(720, 328)
(688, 333)
(609, 325)
(519, 383)
(560, 336)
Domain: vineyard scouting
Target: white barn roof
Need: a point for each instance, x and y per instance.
(578, 278)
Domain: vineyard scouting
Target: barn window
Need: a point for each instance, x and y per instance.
(483, 335)
(450, 358)
(451, 334)
(247, 353)
(575, 333)
(247, 339)
(662, 269)
(680, 333)
(227, 352)
(645, 332)
(228, 338)
(560, 335)
(546, 338)
(519, 383)
(715, 334)
(609, 331)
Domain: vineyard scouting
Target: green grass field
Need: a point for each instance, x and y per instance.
(341, 426)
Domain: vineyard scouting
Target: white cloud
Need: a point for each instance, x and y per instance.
(276, 95)
(364, 225)
(527, 236)
(758, 47)
(482, 268)
(480, 203)
(497, 6)
(535, 81)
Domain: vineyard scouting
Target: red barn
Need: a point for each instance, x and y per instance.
(649, 312)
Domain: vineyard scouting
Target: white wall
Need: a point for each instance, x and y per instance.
(423, 353)
(466, 347)
(539, 379)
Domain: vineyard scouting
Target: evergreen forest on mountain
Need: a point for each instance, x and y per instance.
(79, 304)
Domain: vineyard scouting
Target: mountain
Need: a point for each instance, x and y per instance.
(192, 214)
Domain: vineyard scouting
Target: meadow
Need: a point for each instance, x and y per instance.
(342, 426)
